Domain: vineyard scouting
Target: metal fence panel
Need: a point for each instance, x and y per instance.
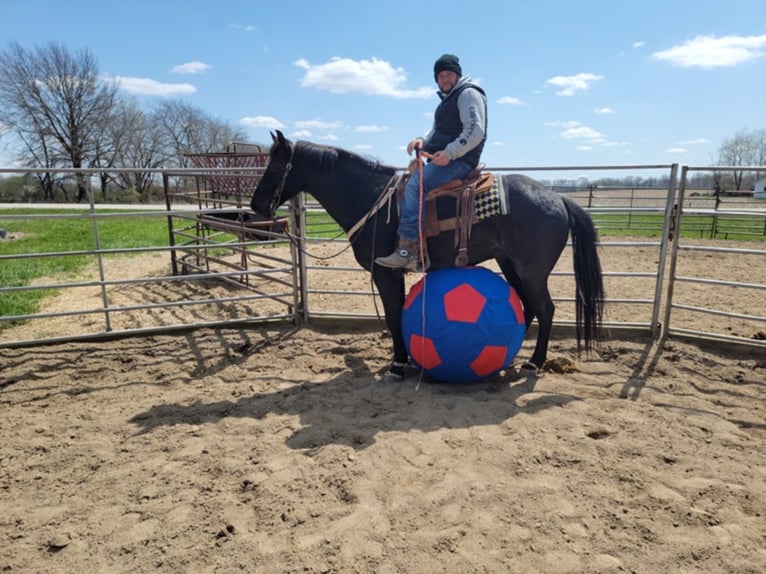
(732, 275)
(215, 272)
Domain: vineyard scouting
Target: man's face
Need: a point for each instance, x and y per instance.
(446, 80)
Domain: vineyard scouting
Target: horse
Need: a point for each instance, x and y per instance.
(526, 242)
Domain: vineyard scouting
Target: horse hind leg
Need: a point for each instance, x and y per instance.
(539, 305)
(544, 310)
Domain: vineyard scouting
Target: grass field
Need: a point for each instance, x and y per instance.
(744, 228)
(72, 232)
(61, 235)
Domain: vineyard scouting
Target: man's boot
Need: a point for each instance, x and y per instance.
(405, 256)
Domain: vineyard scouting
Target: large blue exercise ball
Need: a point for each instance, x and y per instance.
(462, 324)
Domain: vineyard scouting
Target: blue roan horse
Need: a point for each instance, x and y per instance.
(526, 243)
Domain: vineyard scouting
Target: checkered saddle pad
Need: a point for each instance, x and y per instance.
(457, 206)
(489, 200)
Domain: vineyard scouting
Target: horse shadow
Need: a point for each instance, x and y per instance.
(353, 407)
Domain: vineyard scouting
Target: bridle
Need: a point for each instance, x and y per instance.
(281, 187)
(393, 186)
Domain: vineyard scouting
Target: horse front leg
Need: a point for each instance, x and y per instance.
(390, 284)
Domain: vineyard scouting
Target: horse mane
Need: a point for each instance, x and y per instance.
(333, 157)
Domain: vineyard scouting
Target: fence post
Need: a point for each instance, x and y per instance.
(171, 235)
(670, 200)
(99, 259)
(298, 249)
(674, 251)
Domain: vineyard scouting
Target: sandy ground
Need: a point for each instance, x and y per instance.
(278, 449)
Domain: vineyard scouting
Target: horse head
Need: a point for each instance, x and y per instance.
(272, 190)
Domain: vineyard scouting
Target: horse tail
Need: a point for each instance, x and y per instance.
(589, 281)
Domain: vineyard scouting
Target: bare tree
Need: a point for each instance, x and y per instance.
(744, 148)
(759, 147)
(189, 129)
(55, 102)
(140, 143)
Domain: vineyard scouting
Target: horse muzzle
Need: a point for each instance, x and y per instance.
(262, 207)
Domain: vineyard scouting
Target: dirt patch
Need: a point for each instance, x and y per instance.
(278, 449)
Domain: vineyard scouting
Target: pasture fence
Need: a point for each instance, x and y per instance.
(218, 266)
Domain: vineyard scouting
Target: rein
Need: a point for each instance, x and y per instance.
(388, 191)
(384, 198)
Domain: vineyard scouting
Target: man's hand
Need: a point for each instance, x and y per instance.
(440, 158)
(417, 143)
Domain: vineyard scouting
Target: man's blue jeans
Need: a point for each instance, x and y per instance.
(433, 177)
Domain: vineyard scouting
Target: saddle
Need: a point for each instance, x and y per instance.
(458, 214)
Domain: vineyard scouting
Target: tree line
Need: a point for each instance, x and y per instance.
(745, 148)
(62, 113)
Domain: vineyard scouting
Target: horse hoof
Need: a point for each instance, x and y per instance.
(530, 366)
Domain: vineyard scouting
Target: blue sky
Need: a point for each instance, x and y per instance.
(569, 82)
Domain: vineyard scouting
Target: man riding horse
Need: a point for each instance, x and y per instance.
(454, 147)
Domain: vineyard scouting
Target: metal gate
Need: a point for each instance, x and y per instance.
(735, 272)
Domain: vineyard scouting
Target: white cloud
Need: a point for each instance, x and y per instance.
(575, 130)
(510, 100)
(605, 111)
(712, 52)
(581, 132)
(149, 87)
(370, 77)
(302, 134)
(584, 148)
(370, 129)
(573, 84)
(696, 141)
(193, 67)
(638, 44)
(675, 150)
(316, 125)
(262, 122)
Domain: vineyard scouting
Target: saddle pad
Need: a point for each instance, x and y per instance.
(492, 202)
(440, 214)
(486, 204)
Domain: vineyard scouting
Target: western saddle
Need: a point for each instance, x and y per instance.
(463, 191)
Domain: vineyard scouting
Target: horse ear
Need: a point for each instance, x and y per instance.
(280, 138)
(273, 137)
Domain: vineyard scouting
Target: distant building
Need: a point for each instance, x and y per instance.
(759, 189)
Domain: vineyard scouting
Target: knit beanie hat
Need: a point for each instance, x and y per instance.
(447, 62)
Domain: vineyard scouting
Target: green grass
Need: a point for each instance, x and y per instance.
(63, 235)
(699, 226)
(73, 234)
(319, 225)
(76, 234)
